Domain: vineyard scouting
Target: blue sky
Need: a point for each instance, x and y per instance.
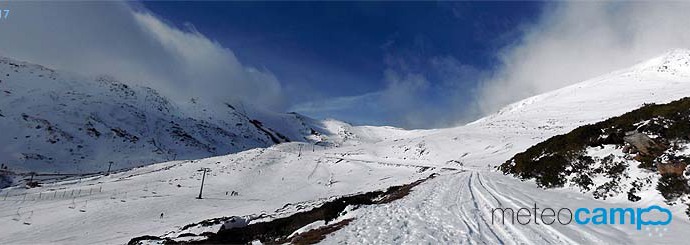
(325, 53)
(406, 64)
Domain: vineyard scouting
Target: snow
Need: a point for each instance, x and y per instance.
(55, 121)
(455, 209)
(128, 204)
(452, 208)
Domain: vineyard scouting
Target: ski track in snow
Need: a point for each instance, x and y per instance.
(453, 208)
(456, 209)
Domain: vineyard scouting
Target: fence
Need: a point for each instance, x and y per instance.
(52, 195)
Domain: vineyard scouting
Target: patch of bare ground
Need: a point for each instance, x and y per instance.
(278, 231)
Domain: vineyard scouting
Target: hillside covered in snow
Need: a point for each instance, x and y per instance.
(157, 202)
(489, 142)
(58, 122)
(642, 151)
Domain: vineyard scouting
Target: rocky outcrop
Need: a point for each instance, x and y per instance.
(641, 142)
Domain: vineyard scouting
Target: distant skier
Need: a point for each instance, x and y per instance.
(161, 215)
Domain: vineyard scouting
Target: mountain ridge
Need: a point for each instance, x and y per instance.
(287, 178)
(62, 122)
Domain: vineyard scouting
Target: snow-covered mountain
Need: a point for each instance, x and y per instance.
(60, 122)
(495, 138)
(488, 142)
(285, 179)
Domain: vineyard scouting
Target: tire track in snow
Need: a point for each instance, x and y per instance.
(462, 214)
(456, 209)
(514, 232)
(517, 203)
(478, 211)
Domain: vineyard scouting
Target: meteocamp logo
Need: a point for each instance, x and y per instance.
(650, 216)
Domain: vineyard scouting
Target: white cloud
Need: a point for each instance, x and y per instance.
(574, 41)
(570, 42)
(131, 44)
(431, 93)
(336, 104)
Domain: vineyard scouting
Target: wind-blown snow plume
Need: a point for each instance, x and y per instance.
(132, 45)
(576, 40)
(568, 43)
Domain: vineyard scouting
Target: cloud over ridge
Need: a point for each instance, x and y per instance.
(574, 41)
(570, 42)
(131, 44)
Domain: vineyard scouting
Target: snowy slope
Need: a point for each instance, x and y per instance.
(59, 122)
(452, 208)
(495, 138)
(455, 208)
(113, 209)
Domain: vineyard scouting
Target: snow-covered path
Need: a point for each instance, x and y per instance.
(456, 209)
